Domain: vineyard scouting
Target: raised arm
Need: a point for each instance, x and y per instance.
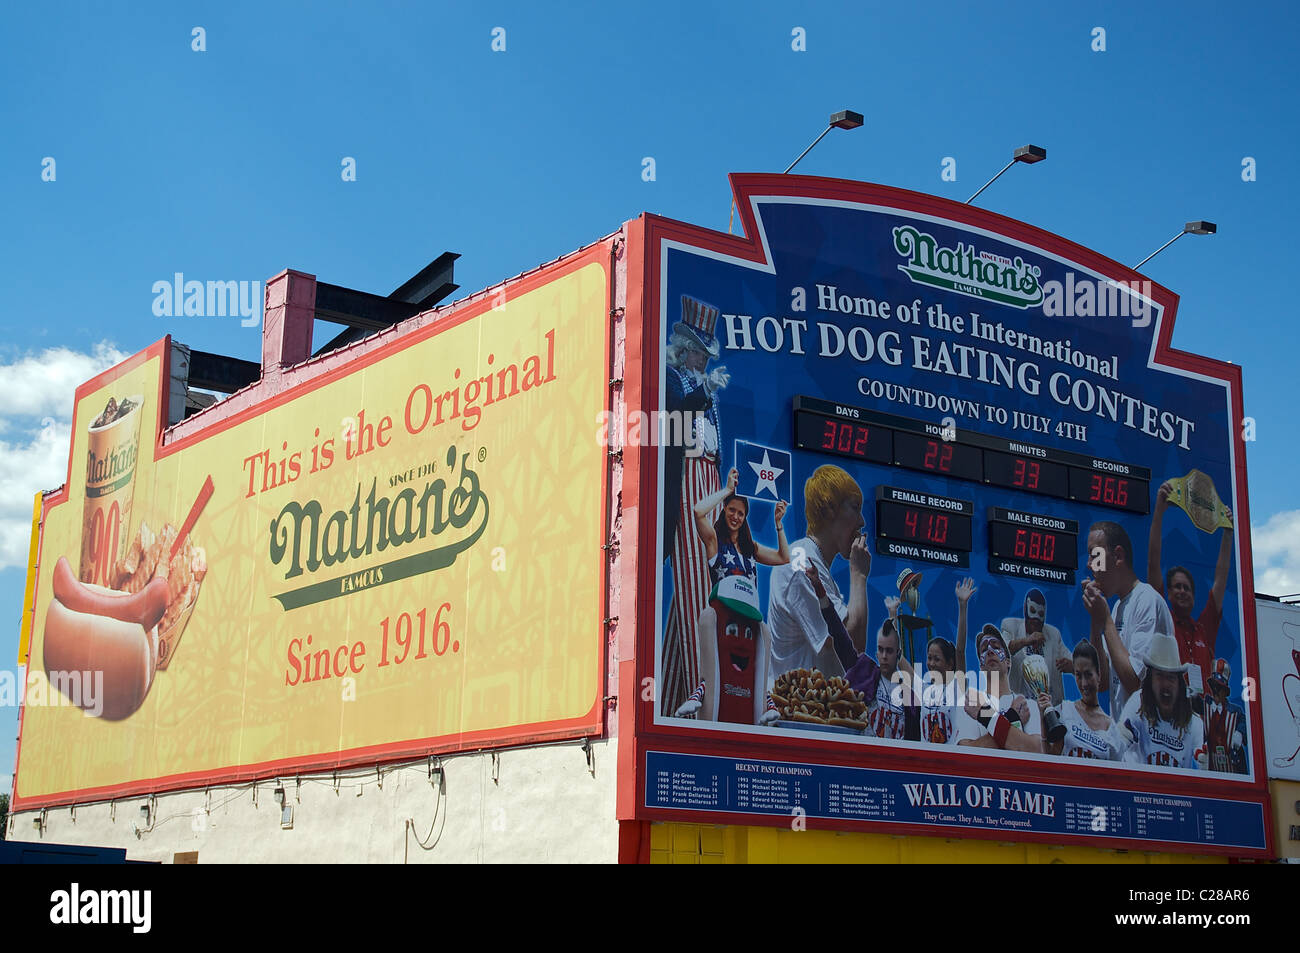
(965, 589)
(844, 649)
(1091, 592)
(1153, 544)
(859, 569)
(891, 606)
(780, 556)
(1103, 628)
(1221, 569)
(704, 509)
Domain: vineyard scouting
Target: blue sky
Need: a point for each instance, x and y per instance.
(225, 165)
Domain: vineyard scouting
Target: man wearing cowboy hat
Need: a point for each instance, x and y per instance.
(689, 478)
(1225, 723)
(1158, 725)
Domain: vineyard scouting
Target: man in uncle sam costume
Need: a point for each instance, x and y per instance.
(1225, 723)
(689, 478)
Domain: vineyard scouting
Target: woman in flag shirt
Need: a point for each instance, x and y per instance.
(734, 644)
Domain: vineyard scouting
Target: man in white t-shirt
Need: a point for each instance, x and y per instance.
(1122, 635)
(1157, 724)
(833, 509)
(887, 714)
(1014, 723)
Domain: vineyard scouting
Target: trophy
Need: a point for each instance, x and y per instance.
(1034, 671)
(909, 592)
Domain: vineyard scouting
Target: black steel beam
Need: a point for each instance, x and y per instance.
(431, 284)
(360, 309)
(365, 313)
(223, 374)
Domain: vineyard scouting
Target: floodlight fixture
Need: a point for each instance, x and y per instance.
(1191, 228)
(1027, 154)
(844, 119)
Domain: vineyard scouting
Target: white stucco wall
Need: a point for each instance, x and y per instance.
(544, 807)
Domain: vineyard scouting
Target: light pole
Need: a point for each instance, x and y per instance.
(1026, 154)
(844, 119)
(1191, 228)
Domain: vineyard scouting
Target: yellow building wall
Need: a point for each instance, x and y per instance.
(672, 843)
(1286, 817)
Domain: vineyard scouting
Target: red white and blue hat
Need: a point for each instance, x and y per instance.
(739, 595)
(698, 322)
(907, 579)
(989, 632)
(1221, 674)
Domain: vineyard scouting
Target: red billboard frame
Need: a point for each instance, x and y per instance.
(590, 724)
(646, 242)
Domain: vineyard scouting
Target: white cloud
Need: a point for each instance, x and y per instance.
(1276, 548)
(36, 396)
(43, 385)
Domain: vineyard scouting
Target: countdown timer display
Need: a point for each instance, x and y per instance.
(871, 436)
(938, 456)
(1031, 474)
(1104, 489)
(844, 438)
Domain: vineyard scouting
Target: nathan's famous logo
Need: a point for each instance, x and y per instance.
(118, 462)
(979, 274)
(305, 539)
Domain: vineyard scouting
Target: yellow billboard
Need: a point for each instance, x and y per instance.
(398, 556)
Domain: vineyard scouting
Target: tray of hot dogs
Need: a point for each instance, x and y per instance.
(807, 699)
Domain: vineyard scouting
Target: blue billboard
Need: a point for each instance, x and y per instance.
(1008, 519)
